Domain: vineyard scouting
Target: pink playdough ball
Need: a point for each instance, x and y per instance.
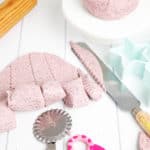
(110, 9)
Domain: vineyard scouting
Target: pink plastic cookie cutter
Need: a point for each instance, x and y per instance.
(85, 140)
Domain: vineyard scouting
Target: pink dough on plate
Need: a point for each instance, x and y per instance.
(110, 9)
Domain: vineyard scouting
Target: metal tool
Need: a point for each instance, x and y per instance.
(116, 89)
(51, 126)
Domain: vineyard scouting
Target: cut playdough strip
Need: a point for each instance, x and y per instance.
(75, 94)
(89, 62)
(26, 97)
(52, 92)
(7, 118)
(93, 90)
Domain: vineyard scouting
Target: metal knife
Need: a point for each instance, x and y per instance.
(118, 92)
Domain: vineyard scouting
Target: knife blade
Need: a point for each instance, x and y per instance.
(118, 92)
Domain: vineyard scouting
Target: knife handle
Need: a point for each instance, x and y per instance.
(143, 119)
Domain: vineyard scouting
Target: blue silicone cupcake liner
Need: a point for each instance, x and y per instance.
(115, 63)
(146, 54)
(135, 68)
(131, 63)
(146, 78)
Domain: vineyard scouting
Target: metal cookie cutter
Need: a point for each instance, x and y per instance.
(51, 126)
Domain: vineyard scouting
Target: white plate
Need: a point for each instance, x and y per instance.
(136, 23)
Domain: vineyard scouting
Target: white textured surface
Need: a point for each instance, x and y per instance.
(45, 29)
(133, 25)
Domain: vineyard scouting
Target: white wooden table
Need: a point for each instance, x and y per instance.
(46, 30)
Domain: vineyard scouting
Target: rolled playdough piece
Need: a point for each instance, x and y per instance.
(110, 9)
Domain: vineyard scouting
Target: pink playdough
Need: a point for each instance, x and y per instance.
(7, 118)
(144, 141)
(110, 9)
(36, 80)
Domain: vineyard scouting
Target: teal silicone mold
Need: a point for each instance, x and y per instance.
(131, 63)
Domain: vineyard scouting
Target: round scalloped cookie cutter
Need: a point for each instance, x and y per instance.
(85, 140)
(52, 126)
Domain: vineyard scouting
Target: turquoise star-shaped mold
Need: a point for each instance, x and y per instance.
(131, 62)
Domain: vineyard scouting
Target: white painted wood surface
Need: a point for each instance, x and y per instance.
(45, 29)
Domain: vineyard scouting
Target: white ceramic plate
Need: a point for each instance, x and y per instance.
(136, 23)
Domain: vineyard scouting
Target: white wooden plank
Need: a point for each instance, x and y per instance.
(43, 31)
(9, 46)
(128, 131)
(3, 141)
(8, 51)
(98, 120)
